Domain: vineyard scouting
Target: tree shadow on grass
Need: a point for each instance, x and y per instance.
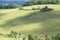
(36, 17)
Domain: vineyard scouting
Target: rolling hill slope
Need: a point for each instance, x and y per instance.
(33, 22)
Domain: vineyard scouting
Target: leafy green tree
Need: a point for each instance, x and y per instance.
(39, 2)
(46, 9)
(54, 1)
(57, 1)
(12, 6)
(28, 3)
(9, 6)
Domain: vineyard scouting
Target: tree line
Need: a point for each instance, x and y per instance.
(8, 6)
(37, 2)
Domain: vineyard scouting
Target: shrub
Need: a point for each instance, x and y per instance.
(45, 9)
(57, 37)
(14, 34)
(21, 8)
(9, 35)
(38, 8)
(33, 8)
(30, 37)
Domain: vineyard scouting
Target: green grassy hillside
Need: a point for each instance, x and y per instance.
(32, 21)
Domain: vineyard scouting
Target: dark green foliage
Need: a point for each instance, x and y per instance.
(57, 1)
(29, 3)
(37, 2)
(12, 34)
(12, 6)
(47, 38)
(9, 6)
(6, 7)
(45, 9)
(54, 1)
(19, 34)
(1, 34)
(33, 8)
(57, 37)
(21, 8)
(30, 37)
(9, 35)
(2, 6)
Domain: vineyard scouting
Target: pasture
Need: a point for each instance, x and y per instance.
(30, 21)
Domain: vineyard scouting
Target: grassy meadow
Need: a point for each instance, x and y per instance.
(30, 21)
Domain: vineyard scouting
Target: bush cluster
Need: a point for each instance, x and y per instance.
(12, 34)
(45, 9)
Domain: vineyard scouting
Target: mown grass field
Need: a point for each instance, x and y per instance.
(30, 21)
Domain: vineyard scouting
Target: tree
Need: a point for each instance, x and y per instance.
(28, 3)
(6, 7)
(39, 2)
(9, 6)
(54, 1)
(46, 9)
(34, 2)
(12, 6)
(57, 1)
